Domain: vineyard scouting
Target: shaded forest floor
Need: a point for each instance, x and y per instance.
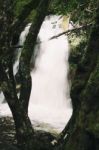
(8, 141)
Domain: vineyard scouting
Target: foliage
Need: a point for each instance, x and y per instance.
(19, 6)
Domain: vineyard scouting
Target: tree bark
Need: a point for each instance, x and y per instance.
(84, 130)
(19, 105)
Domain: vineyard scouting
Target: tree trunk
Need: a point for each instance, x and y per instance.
(24, 130)
(84, 130)
(19, 105)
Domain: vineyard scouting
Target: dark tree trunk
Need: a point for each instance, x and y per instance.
(24, 130)
(19, 105)
(83, 127)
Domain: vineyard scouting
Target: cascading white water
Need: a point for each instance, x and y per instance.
(21, 42)
(50, 100)
(1, 97)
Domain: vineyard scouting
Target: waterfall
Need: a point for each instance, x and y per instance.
(21, 42)
(50, 101)
(1, 97)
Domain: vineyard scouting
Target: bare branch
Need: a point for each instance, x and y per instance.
(71, 30)
(60, 34)
(16, 46)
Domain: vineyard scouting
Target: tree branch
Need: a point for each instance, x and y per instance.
(25, 12)
(16, 46)
(71, 30)
(7, 87)
(27, 52)
(60, 34)
(20, 22)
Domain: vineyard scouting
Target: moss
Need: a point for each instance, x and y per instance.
(92, 123)
(85, 98)
(81, 140)
(19, 6)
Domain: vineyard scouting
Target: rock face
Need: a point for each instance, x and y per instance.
(83, 131)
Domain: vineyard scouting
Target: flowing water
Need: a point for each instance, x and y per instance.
(50, 103)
